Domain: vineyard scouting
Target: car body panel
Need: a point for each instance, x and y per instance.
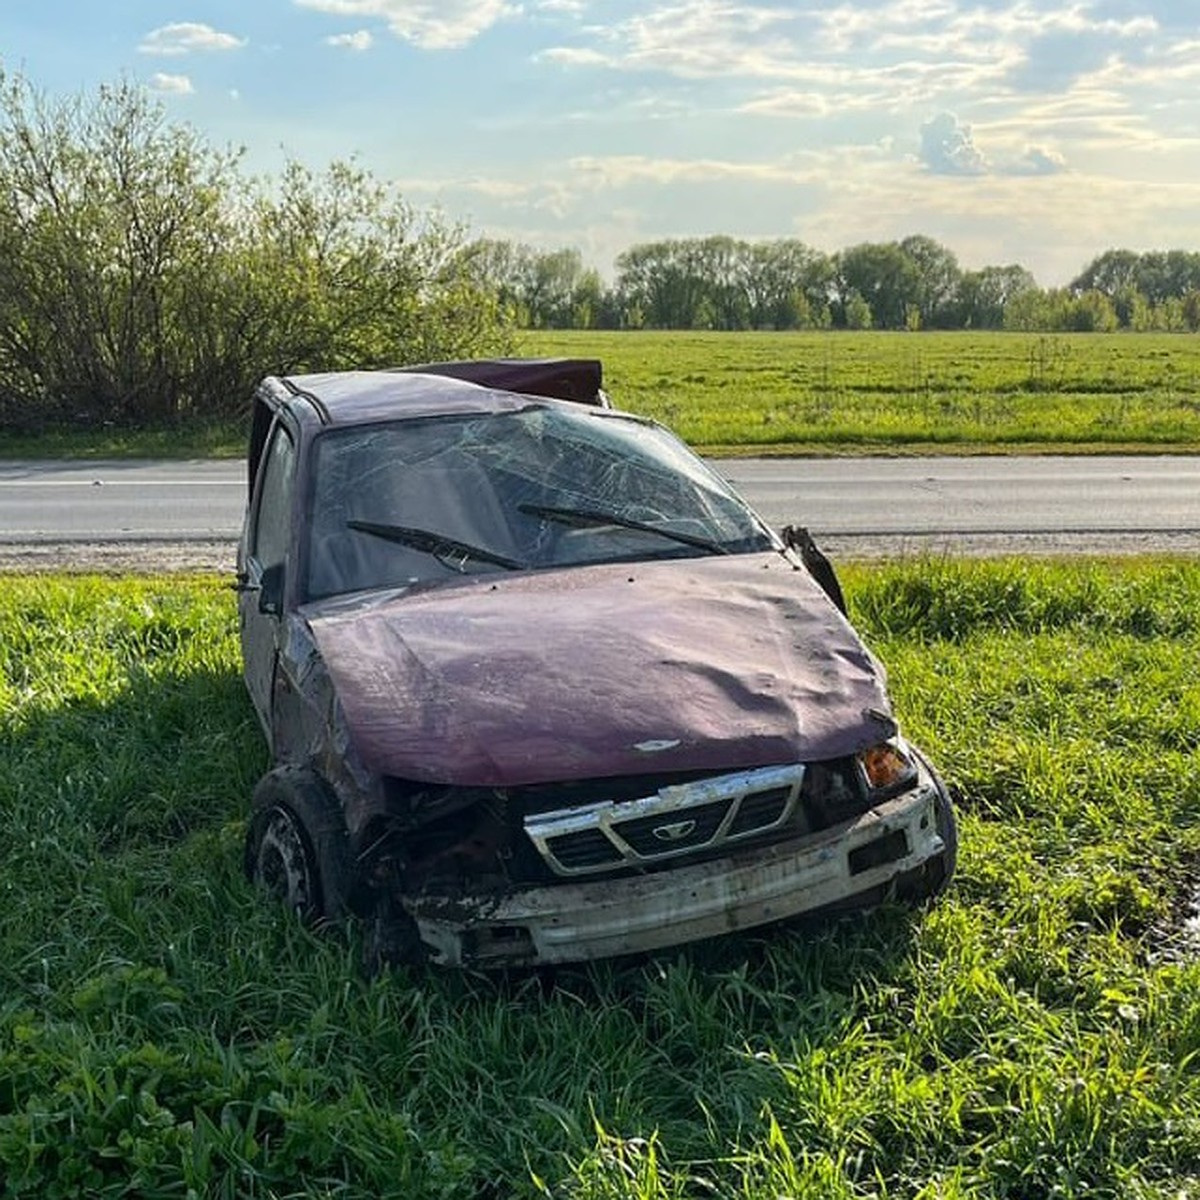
(702, 664)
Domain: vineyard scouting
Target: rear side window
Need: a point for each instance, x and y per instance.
(273, 518)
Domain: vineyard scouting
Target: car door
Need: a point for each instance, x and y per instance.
(264, 566)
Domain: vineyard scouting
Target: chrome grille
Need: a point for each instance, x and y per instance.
(678, 820)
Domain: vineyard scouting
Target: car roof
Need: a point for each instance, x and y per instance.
(486, 385)
(492, 385)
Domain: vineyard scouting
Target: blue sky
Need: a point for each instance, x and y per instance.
(1011, 130)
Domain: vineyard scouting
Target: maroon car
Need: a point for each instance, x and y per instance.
(539, 687)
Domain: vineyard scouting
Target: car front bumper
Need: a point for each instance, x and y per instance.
(571, 922)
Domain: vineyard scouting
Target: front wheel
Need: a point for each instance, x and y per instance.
(297, 847)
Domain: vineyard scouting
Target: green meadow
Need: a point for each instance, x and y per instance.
(838, 392)
(164, 1032)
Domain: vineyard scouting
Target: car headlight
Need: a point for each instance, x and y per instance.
(887, 769)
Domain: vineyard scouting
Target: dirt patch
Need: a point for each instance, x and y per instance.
(1002, 545)
(217, 555)
(119, 557)
(1176, 936)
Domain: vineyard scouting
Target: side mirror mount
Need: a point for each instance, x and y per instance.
(797, 538)
(270, 590)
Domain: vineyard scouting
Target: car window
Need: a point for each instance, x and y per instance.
(546, 486)
(273, 518)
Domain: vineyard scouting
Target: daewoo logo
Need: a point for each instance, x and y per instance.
(657, 745)
(675, 832)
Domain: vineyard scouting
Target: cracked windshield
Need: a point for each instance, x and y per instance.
(427, 499)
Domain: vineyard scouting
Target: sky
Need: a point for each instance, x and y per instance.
(1010, 130)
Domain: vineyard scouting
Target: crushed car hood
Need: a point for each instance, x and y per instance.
(719, 663)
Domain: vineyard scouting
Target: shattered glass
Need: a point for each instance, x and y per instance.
(421, 500)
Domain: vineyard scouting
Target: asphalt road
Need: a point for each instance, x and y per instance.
(1111, 502)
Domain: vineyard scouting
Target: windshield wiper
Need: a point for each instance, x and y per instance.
(597, 516)
(436, 544)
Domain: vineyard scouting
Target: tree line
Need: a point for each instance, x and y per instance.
(145, 279)
(726, 283)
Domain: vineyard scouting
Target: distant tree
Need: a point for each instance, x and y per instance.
(1167, 317)
(1164, 275)
(704, 314)
(884, 276)
(553, 284)
(1110, 273)
(1035, 311)
(786, 284)
(1133, 310)
(721, 261)
(796, 312)
(1092, 312)
(983, 296)
(665, 281)
(587, 300)
(1191, 310)
(1157, 275)
(937, 281)
(857, 311)
(541, 289)
(500, 267)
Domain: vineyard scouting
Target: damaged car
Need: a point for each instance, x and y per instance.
(539, 687)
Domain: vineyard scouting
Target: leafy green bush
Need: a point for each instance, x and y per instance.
(145, 281)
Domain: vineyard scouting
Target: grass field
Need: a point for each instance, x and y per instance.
(902, 393)
(163, 1032)
(839, 393)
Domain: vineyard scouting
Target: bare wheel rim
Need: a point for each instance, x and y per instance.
(283, 863)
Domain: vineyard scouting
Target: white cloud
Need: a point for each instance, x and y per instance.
(849, 26)
(918, 22)
(567, 56)
(883, 52)
(622, 171)
(948, 149)
(1038, 160)
(792, 103)
(697, 39)
(709, 38)
(359, 40)
(174, 85)
(429, 24)
(830, 89)
(171, 41)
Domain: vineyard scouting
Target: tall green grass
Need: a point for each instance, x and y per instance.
(164, 1032)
